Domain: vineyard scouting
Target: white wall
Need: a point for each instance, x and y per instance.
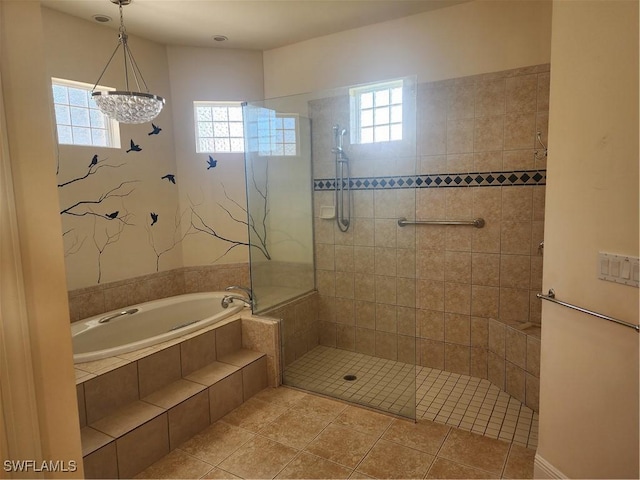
(466, 39)
(78, 50)
(214, 75)
(589, 367)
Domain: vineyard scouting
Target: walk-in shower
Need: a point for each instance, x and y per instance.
(405, 314)
(343, 180)
(354, 336)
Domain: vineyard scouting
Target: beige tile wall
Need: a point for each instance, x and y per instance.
(86, 302)
(298, 326)
(513, 360)
(264, 335)
(381, 285)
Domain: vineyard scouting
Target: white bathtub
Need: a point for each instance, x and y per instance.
(146, 324)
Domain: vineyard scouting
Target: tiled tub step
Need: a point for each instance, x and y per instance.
(137, 434)
(136, 414)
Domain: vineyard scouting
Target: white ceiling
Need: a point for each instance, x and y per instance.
(249, 24)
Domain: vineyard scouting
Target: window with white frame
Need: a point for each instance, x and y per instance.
(272, 133)
(376, 112)
(78, 119)
(285, 135)
(219, 127)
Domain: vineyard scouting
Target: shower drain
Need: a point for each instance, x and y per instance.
(350, 378)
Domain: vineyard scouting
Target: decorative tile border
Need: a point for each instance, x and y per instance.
(440, 180)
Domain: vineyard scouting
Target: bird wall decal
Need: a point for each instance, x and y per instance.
(154, 218)
(211, 162)
(94, 161)
(156, 130)
(113, 215)
(170, 177)
(134, 147)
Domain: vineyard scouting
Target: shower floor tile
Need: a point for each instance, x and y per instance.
(460, 401)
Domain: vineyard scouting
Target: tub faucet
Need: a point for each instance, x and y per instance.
(247, 291)
(228, 300)
(249, 300)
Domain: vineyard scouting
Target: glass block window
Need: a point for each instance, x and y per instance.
(376, 112)
(219, 127)
(78, 119)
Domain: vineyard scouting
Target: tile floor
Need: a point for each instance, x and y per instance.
(469, 403)
(380, 383)
(286, 433)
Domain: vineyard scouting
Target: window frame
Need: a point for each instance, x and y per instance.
(196, 124)
(356, 109)
(111, 126)
(284, 143)
(264, 138)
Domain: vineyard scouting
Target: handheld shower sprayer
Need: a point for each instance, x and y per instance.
(338, 135)
(343, 180)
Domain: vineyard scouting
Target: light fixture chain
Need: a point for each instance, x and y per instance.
(122, 27)
(123, 40)
(106, 66)
(135, 70)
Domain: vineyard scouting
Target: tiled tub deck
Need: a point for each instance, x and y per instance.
(137, 407)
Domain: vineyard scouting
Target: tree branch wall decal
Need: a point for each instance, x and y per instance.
(103, 236)
(76, 243)
(138, 187)
(113, 193)
(110, 237)
(263, 194)
(93, 168)
(201, 225)
(176, 239)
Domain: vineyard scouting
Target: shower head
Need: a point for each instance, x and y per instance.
(337, 131)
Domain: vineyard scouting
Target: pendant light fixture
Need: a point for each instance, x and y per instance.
(127, 106)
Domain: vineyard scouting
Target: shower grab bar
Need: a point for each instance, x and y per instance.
(551, 296)
(478, 222)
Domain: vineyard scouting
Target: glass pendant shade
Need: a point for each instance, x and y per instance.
(127, 106)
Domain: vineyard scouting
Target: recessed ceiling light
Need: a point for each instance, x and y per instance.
(101, 18)
(220, 38)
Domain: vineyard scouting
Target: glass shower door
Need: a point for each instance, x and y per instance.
(280, 219)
